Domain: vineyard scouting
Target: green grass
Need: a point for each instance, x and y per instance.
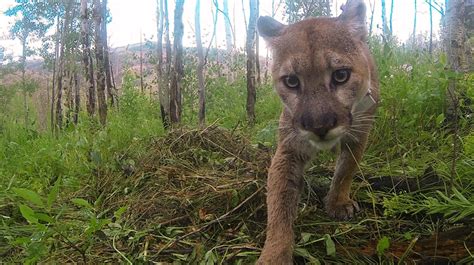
(80, 195)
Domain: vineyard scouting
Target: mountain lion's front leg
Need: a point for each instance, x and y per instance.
(284, 184)
(338, 204)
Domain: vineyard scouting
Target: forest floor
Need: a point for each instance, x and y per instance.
(198, 196)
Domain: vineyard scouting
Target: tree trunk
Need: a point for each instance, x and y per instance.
(372, 10)
(200, 66)
(77, 99)
(391, 18)
(68, 102)
(384, 22)
(257, 52)
(142, 87)
(99, 55)
(178, 71)
(162, 86)
(414, 25)
(244, 15)
(229, 44)
(108, 74)
(59, 91)
(250, 49)
(53, 89)
(228, 28)
(214, 37)
(87, 58)
(458, 56)
(60, 73)
(23, 75)
(115, 92)
(431, 27)
(167, 66)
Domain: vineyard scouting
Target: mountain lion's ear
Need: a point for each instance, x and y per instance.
(353, 13)
(269, 27)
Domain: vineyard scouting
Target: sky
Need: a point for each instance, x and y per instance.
(132, 19)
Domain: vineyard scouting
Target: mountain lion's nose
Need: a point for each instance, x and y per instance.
(319, 125)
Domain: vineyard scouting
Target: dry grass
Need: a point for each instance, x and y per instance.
(198, 195)
(194, 189)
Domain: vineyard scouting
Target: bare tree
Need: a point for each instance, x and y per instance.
(99, 55)
(275, 7)
(24, 40)
(77, 98)
(250, 49)
(215, 11)
(55, 73)
(163, 88)
(391, 17)
(228, 28)
(431, 26)
(459, 55)
(178, 71)
(385, 30)
(257, 52)
(167, 62)
(68, 90)
(244, 14)
(372, 10)
(61, 66)
(433, 4)
(108, 70)
(142, 87)
(414, 24)
(87, 58)
(200, 66)
(229, 42)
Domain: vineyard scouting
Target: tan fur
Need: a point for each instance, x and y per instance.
(312, 50)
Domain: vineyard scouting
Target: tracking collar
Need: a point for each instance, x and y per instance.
(365, 103)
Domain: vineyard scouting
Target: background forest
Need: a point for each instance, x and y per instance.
(158, 151)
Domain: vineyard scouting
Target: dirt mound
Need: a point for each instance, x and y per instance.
(197, 197)
(195, 186)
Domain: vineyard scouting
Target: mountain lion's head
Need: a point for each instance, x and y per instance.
(322, 70)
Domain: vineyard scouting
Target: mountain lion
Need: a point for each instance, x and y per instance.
(326, 78)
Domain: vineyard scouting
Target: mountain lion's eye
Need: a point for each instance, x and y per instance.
(291, 81)
(341, 76)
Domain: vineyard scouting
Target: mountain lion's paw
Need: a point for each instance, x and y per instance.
(275, 258)
(341, 210)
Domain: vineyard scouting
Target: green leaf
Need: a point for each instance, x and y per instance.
(408, 235)
(460, 196)
(383, 245)
(53, 194)
(44, 217)
(20, 241)
(305, 237)
(30, 196)
(120, 211)
(82, 203)
(303, 252)
(209, 258)
(440, 119)
(330, 246)
(28, 214)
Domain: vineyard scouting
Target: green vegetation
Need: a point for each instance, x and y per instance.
(132, 193)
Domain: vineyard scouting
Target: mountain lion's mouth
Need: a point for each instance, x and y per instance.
(329, 140)
(325, 144)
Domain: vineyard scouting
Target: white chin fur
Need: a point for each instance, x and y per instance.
(315, 142)
(324, 145)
